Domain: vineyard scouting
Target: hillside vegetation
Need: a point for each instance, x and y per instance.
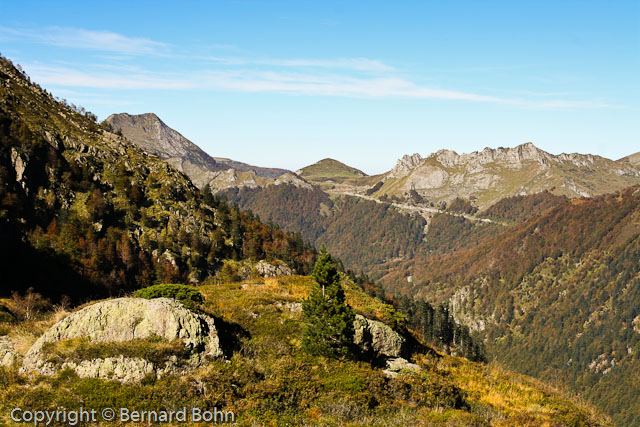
(557, 297)
(100, 215)
(268, 379)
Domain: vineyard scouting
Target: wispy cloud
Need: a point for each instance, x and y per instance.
(281, 82)
(358, 64)
(77, 38)
(357, 77)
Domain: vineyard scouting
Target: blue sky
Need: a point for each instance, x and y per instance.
(285, 84)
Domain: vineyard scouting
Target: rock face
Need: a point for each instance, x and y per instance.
(377, 338)
(405, 165)
(491, 174)
(120, 368)
(125, 319)
(8, 355)
(266, 269)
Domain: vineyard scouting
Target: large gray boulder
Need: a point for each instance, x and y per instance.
(126, 319)
(375, 337)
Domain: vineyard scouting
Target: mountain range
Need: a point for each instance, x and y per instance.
(533, 251)
(86, 213)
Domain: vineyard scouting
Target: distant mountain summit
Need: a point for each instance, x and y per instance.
(152, 135)
(329, 169)
(492, 174)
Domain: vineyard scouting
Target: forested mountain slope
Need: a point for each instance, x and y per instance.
(557, 297)
(84, 212)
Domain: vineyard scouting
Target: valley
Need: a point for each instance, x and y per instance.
(446, 228)
(529, 255)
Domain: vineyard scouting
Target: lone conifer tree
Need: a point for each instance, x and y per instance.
(328, 319)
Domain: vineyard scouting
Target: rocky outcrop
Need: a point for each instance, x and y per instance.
(126, 319)
(379, 341)
(405, 165)
(491, 174)
(8, 354)
(510, 157)
(266, 269)
(293, 179)
(636, 324)
(397, 365)
(376, 338)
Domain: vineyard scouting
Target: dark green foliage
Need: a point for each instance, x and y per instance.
(328, 319)
(436, 326)
(187, 295)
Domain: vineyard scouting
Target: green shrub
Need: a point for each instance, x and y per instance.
(188, 296)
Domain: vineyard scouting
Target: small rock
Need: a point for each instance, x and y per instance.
(8, 355)
(396, 365)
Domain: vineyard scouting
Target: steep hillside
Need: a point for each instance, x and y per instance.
(153, 136)
(96, 214)
(557, 297)
(298, 209)
(265, 377)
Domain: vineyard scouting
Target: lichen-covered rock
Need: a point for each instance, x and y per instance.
(8, 355)
(125, 319)
(397, 364)
(266, 269)
(375, 337)
(121, 368)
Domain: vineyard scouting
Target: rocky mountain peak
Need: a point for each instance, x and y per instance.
(406, 164)
(509, 157)
(155, 137)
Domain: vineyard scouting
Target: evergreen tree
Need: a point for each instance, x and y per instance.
(328, 319)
